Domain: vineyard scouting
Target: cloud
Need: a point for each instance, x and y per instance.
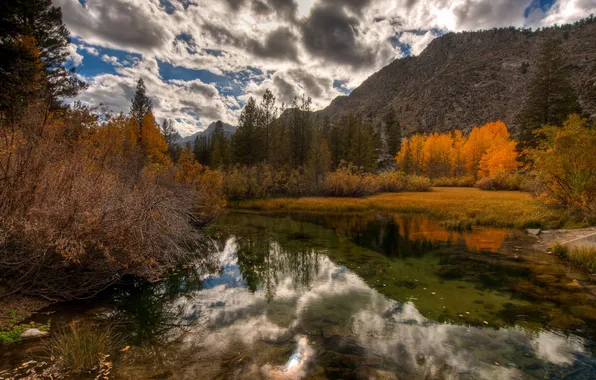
(192, 104)
(293, 47)
(568, 11)
(75, 58)
(332, 34)
(123, 24)
(417, 42)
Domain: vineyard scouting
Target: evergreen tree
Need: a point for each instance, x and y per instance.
(392, 133)
(141, 104)
(299, 128)
(41, 22)
(267, 115)
(201, 150)
(551, 97)
(247, 149)
(362, 151)
(167, 129)
(336, 144)
(220, 147)
(319, 157)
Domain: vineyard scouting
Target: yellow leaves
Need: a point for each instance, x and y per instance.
(208, 182)
(499, 158)
(487, 151)
(154, 142)
(565, 163)
(189, 170)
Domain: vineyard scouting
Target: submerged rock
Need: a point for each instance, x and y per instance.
(34, 334)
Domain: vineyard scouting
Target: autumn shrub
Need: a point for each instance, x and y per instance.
(565, 166)
(257, 182)
(81, 205)
(583, 256)
(502, 181)
(418, 183)
(80, 348)
(204, 183)
(299, 183)
(349, 181)
(391, 182)
(467, 181)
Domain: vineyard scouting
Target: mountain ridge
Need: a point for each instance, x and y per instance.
(229, 131)
(465, 79)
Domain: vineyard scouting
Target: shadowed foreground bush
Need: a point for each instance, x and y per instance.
(83, 203)
(80, 349)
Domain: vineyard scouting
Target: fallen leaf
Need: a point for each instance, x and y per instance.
(125, 349)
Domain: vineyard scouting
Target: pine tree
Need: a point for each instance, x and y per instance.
(39, 21)
(267, 114)
(392, 133)
(336, 144)
(246, 140)
(551, 97)
(201, 150)
(141, 104)
(169, 132)
(319, 157)
(362, 151)
(300, 130)
(219, 147)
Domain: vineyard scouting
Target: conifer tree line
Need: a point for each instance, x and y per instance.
(294, 138)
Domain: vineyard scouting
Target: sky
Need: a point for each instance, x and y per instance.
(202, 59)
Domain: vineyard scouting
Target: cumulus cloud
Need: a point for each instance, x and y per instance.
(123, 24)
(297, 46)
(567, 11)
(75, 58)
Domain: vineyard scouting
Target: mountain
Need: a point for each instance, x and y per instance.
(466, 79)
(229, 131)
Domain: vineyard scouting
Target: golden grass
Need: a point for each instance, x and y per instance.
(582, 256)
(486, 208)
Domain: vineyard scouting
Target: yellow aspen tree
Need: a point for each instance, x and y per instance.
(437, 155)
(479, 141)
(154, 142)
(458, 161)
(417, 153)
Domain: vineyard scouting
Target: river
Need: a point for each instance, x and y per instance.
(349, 297)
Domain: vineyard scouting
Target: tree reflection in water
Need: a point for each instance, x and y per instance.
(355, 297)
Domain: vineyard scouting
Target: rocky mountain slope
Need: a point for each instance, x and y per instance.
(467, 79)
(229, 130)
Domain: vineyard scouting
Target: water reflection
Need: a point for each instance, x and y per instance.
(405, 235)
(373, 296)
(282, 306)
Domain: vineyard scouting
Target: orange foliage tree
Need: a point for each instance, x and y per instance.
(486, 152)
(153, 142)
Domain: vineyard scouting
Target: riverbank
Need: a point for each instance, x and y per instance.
(578, 247)
(453, 206)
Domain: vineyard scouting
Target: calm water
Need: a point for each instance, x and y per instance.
(351, 297)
